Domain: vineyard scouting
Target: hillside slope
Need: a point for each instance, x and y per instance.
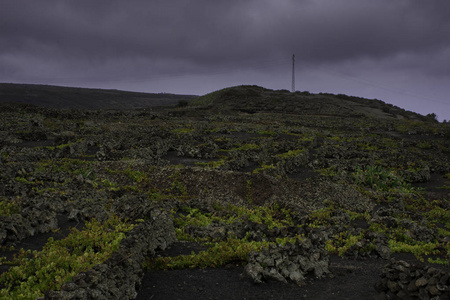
(82, 98)
(252, 99)
(346, 192)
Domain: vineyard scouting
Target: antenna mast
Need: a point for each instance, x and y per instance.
(293, 73)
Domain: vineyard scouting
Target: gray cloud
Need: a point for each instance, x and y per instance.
(79, 42)
(204, 31)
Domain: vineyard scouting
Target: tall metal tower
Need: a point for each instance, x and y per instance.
(293, 73)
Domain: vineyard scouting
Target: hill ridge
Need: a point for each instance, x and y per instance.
(61, 97)
(243, 98)
(252, 99)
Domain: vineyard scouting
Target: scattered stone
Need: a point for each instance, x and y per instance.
(33, 218)
(290, 262)
(408, 281)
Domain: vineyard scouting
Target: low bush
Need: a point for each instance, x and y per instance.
(34, 272)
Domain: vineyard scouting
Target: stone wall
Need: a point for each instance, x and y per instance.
(120, 276)
(401, 280)
(291, 261)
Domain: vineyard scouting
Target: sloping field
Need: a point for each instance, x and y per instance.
(82, 98)
(218, 200)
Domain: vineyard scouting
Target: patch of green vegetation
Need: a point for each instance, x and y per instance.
(446, 187)
(50, 190)
(343, 242)
(444, 232)
(358, 216)
(247, 147)
(177, 187)
(26, 181)
(263, 168)
(220, 254)
(424, 145)
(320, 217)
(415, 167)
(220, 139)
(390, 143)
(267, 132)
(230, 250)
(336, 138)
(183, 130)
(62, 146)
(9, 206)
(272, 216)
(291, 153)
(156, 195)
(86, 173)
(417, 248)
(438, 261)
(112, 171)
(381, 179)
(438, 214)
(113, 186)
(401, 241)
(60, 260)
(194, 217)
(306, 139)
(136, 176)
(367, 146)
(331, 171)
(67, 165)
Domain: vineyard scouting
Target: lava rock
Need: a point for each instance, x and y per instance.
(407, 281)
(289, 262)
(118, 277)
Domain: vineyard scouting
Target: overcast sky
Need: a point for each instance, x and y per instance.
(396, 51)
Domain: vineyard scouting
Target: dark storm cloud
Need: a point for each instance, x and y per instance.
(53, 41)
(97, 32)
(211, 32)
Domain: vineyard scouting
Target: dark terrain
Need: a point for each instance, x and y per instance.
(337, 186)
(82, 98)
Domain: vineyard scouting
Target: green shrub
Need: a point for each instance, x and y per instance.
(380, 179)
(221, 253)
(418, 248)
(60, 260)
(9, 207)
(291, 153)
(342, 242)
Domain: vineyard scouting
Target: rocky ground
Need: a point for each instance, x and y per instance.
(273, 202)
(348, 279)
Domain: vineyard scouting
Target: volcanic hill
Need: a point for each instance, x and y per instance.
(253, 99)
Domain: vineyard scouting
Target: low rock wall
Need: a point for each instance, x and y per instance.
(34, 218)
(291, 261)
(120, 276)
(401, 280)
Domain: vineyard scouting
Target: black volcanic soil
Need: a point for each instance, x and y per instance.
(350, 279)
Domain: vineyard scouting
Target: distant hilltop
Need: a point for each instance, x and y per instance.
(245, 99)
(254, 99)
(83, 98)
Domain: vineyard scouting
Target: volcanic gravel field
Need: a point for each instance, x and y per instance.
(245, 193)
